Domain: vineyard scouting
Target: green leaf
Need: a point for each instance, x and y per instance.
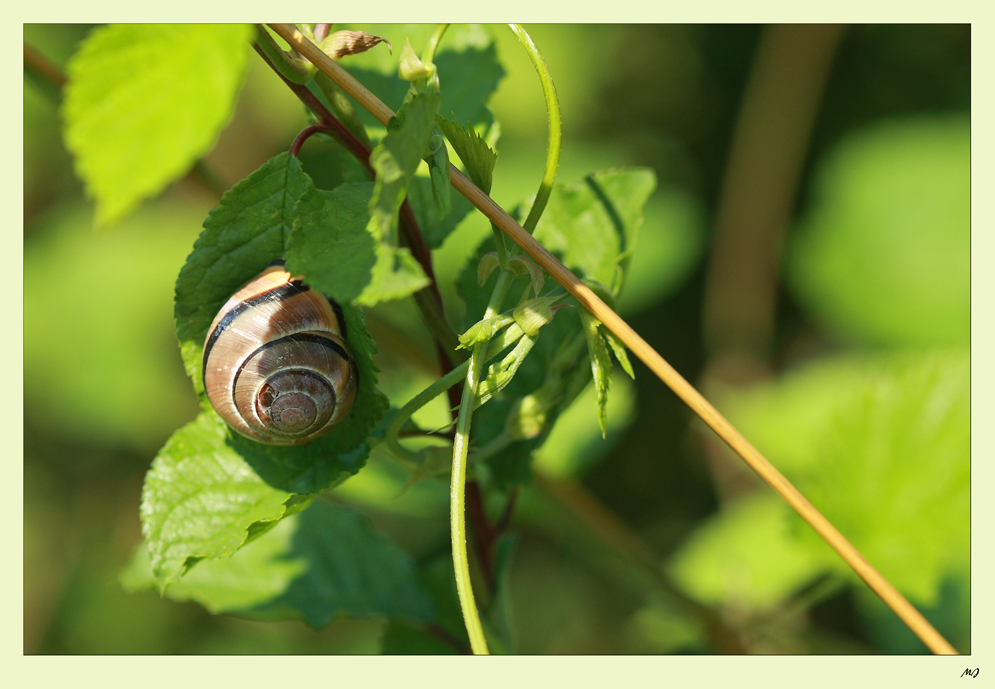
(499, 375)
(330, 241)
(201, 500)
(618, 347)
(884, 253)
(323, 563)
(481, 331)
(262, 571)
(882, 448)
(433, 228)
(746, 556)
(468, 77)
(522, 266)
(396, 159)
(410, 67)
(247, 231)
(396, 275)
(144, 102)
(601, 365)
(533, 314)
(467, 66)
(593, 226)
(478, 158)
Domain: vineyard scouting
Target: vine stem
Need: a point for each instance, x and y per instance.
(649, 356)
(461, 446)
(553, 124)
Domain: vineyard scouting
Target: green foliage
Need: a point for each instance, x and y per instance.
(323, 563)
(330, 240)
(248, 230)
(880, 443)
(746, 556)
(885, 252)
(466, 64)
(396, 159)
(593, 226)
(202, 501)
(873, 443)
(433, 228)
(144, 102)
(478, 158)
(604, 213)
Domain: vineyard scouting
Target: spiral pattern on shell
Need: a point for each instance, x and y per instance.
(276, 366)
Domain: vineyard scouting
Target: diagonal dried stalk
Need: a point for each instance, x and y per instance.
(656, 363)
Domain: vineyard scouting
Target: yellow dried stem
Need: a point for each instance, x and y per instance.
(638, 346)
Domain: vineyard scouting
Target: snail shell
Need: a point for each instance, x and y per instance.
(276, 366)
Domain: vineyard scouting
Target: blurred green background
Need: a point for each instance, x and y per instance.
(804, 262)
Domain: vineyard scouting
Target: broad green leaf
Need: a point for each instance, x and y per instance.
(352, 569)
(144, 102)
(396, 275)
(468, 76)
(396, 159)
(436, 578)
(247, 231)
(882, 448)
(323, 563)
(746, 556)
(434, 229)
(260, 572)
(201, 500)
(593, 226)
(893, 474)
(884, 253)
(467, 66)
(478, 158)
(330, 241)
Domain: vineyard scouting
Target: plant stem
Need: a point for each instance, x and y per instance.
(649, 356)
(457, 517)
(433, 43)
(508, 337)
(49, 78)
(279, 60)
(553, 117)
(432, 313)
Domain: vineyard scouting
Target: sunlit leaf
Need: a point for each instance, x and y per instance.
(145, 101)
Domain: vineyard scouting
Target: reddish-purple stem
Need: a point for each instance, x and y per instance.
(329, 124)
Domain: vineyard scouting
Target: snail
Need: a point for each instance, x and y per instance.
(276, 366)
